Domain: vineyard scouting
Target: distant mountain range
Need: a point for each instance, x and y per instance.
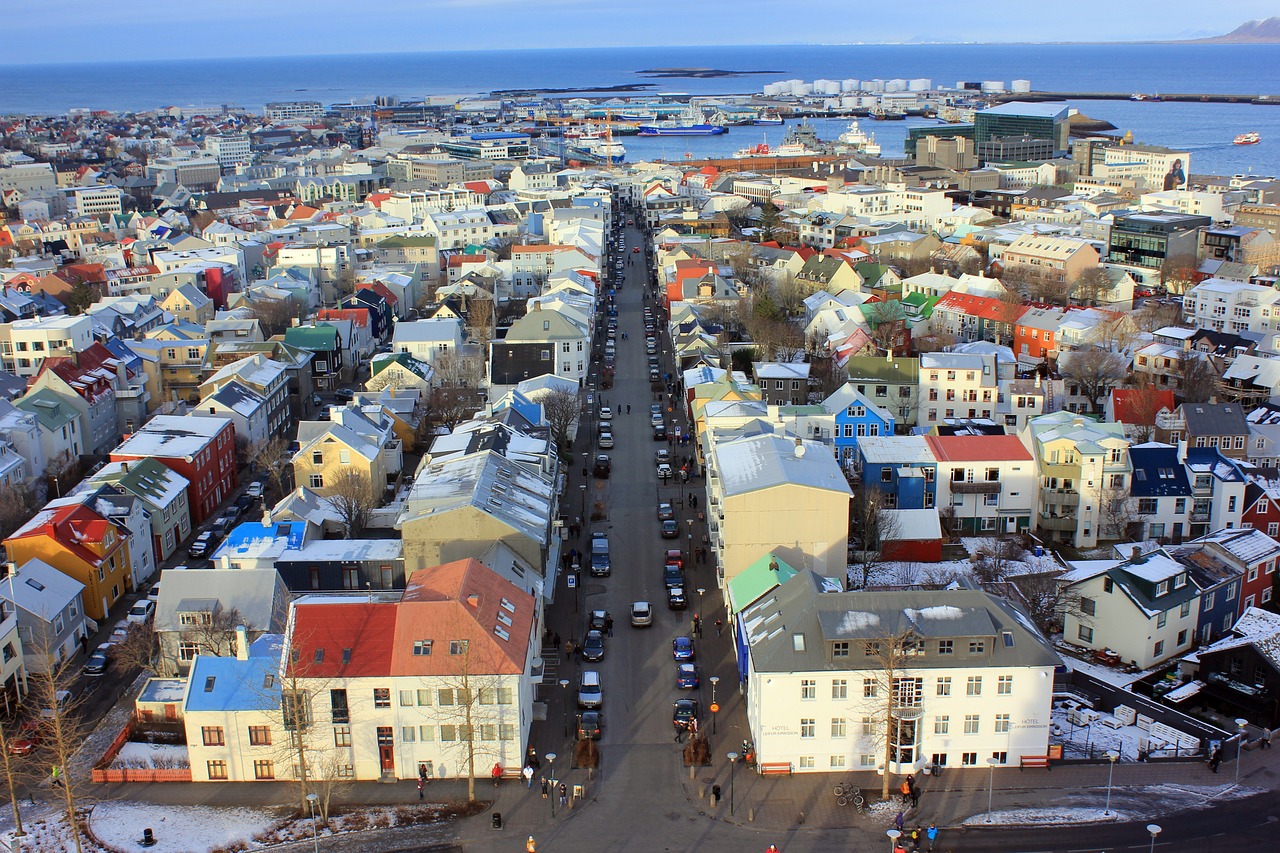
(1250, 32)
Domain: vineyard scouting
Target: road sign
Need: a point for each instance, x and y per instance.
(715, 707)
(572, 580)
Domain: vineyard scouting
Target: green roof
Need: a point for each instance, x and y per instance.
(408, 362)
(902, 371)
(802, 411)
(424, 241)
(50, 409)
(318, 338)
(755, 580)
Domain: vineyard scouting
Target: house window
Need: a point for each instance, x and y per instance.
(808, 727)
(316, 481)
(1185, 610)
(869, 688)
(977, 647)
(808, 688)
(187, 651)
(1088, 606)
(342, 735)
(837, 762)
(317, 457)
(1162, 619)
(942, 725)
(408, 734)
(869, 726)
(969, 759)
(406, 698)
(212, 736)
(971, 722)
(382, 697)
(1159, 649)
(974, 686)
(338, 706)
(1004, 685)
(259, 736)
(1085, 633)
(946, 647)
(1182, 638)
(458, 647)
(264, 769)
(1002, 723)
(422, 647)
(944, 686)
(839, 727)
(840, 649)
(840, 688)
(216, 769)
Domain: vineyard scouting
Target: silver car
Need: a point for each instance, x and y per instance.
(641, 614)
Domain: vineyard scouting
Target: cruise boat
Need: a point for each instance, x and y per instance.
(1250, 138)
(600, 147)
(672, 128)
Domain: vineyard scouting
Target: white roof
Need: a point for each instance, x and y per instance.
(897, 449)
(765, 461)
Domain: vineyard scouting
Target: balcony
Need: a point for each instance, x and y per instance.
(1230, 683)
(1057, 522)
(1199, 518)
(1067, 498)
(977, 487)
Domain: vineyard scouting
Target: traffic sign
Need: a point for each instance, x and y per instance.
(715, 707)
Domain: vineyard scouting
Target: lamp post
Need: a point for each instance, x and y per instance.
(564, 703)
(312, 799)
(1155, 829)
(1240, 724)
(555, 791)
(894, 835)
(583, 489)
(701, 590)
(1112, 756)
(733, 759)
(991, 782)
(715, 679)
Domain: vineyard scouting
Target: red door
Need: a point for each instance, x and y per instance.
(386, 749)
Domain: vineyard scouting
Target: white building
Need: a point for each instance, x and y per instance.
(1232, 306)
(229, 149)
(970, 680)
(25, 344)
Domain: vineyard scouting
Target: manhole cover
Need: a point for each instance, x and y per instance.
(674, 816)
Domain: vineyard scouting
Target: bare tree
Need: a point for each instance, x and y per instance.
(561, 408)
(1114, 331)
(1115, 510)
(60, 722)
(12, 779)
(271, 459)
(1046, 599)
(473, 690)
(1095, 371)
(872, 525)
(1157, 315)
(274, 315)
(1091, 286)
(1144, 406)
(480, 320)
(351, 495)
(1010, 309)
(1196, 378)
(450, 405)
(17, 505)
(1038, 284)
(1178, 273)
(893, 696)
(790, 293)
(887, 320)
(993, 560)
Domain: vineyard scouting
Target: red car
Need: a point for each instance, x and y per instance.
(28, 739)
(636, 250)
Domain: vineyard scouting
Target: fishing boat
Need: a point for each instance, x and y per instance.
(760, 150)
(768, 118)
(1250, 138)
(672, 128)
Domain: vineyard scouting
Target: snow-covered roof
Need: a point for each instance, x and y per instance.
(766, 461)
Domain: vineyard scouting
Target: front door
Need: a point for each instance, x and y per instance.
(386, 750)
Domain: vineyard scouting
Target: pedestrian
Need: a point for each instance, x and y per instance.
(564, 794)
(555, 641)
(932, 835)
(531, 758)
(527, 773)
(608, 625)
(697, 626)
(915, 792)
(628, 408)
(545, 787)
(56, 775)
(772, 848)
(1215, 759)
(693, 501)
(1266, 738)
(899, 821)
(496, 773)
(915, 838)
(531, 846)
(905, 790)
(719, 626)
(422, 784)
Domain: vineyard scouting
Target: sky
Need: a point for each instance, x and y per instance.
(57, 31)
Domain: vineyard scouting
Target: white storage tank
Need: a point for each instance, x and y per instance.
(802, 89)
(920, 84)
(773, 90)
(850, 85)
(993, 85)
(1021, 86)
(896, 85)
(829, 87)
(794, 86)
(873, 85)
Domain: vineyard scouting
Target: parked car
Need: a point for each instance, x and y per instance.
(682, 649)
(684, 712)
(666, 511)
(597, 620)
(602, 466)
(687, 677)
(96, 664)
(141, 612)
(255, 489)
(641, 614)
(672, 576)
(670, 529)
(27, 740)
(664, 471)
(606, 439)
(244, 503)
(676, 599)
(606, 413)
(590, 691)
(590, 725)
(344, 395)
(204, 544)
(593, 646)
(154, 592)
(62, 701)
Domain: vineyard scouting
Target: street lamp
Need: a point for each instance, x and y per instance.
(894, 835)
(564, 703)
(1112, 755)
(312, 799)
(555, 791)
(733, 759)
(1240, 724)
(1155, 829)
(583, 488)
(991, 782)
(715, 709)
(701, 590)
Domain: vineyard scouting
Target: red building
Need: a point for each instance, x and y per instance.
(201, 449)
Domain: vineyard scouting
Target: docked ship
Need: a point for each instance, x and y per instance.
(859, 140)
(673, 128)
(768, 118)
(601, 148)
(1250, 138)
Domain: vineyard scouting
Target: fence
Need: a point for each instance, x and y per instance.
(103, 772)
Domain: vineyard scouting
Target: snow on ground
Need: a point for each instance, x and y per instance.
(896, 573)
(151, 755)
(1043, 816)
(1095, 739)
(1109, 674)
(189, 829)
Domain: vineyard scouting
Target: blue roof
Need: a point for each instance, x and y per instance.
(1157, 473)
(480, 137)
(1049, 109)
(1207, 460)
(252, 531)
(231, 684)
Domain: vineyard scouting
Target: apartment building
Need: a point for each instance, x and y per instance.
(1232, 306)
(985, 483)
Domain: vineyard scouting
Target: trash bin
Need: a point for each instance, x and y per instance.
(497, 820)
(715, 795)
(1039, 551)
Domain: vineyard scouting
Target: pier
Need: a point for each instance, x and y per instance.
(1181, 97)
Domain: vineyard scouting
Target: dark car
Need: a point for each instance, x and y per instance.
(590, 725)
(672, 576)
(687, 677)
(660, 433)
(204, 544)
(670, 529)
(593, 646)
(676, 599)
(344, 395)
(682, 648)
(96, 664)
(597, 620)
(243, 503)
(666, 511)
(602, 467)
(684, 712)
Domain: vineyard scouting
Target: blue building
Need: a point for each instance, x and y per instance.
(903, 467)
(1220, 586)
(1160, 491)
(855, 417)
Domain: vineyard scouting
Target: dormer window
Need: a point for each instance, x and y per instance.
(1179, 581)
(1161, 588)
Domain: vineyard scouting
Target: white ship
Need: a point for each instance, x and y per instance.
(859, 140)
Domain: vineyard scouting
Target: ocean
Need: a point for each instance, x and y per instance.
(1204, 129)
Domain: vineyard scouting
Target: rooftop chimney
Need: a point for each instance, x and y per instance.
(473, 600)
(242, 643)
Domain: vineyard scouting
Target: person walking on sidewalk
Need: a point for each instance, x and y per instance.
(719, 626)
(1266, 738)
(564, 794)
(932, 835)
(496, 773)
(899, 821)
(546, 787)
(914, 791)
(422, 785)
(1215, 759)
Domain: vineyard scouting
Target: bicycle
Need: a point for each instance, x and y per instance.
(848, 793)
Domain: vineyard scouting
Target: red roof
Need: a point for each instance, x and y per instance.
(358, 316)
(481, 187)
(90, 373)
(977, 448)
(983, 307)
(376, 199)
(1125, 403)
(380, 289)
(344, 640)
(69, 525)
